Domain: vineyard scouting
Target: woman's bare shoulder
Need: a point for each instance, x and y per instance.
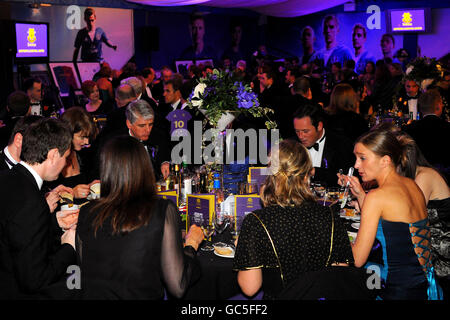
(430, 175)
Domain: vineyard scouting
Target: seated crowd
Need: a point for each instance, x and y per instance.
(119, 134)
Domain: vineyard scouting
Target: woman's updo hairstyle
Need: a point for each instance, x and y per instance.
(289, 185)
(384, 143)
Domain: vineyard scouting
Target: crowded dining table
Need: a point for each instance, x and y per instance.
(218, 280)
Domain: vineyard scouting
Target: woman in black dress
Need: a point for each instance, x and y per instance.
(95, 105)
(291, 234)
(129, 242)
(343, 113)
(79, 172)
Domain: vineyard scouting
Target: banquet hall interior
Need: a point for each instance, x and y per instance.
(257, 120)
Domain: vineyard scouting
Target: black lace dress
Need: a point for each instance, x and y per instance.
(301, 236)
(439, 218)
(137, 265)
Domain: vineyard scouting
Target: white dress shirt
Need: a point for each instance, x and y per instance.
(178, 102)
(412, 107)
(149, 92)
(36, 109)
(36, 176)
(10, 158)
(316, 156)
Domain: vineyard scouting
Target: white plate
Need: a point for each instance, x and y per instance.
(355, 225)
(225, 256)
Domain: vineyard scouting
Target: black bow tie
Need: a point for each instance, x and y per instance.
(315, 146)
(411, 98)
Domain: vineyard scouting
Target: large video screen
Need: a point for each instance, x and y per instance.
(409, 20)
(31, 40)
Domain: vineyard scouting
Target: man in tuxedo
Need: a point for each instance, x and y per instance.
(33, 88)
(329, 151)
(116, 118)
(10, 155)
(158, 87)
(139, 121)
(268, 88)
(149, 76)
(431, 132)
(288, 105)
(407, 102)
(173, 100)
(33, 256)
(17, 106)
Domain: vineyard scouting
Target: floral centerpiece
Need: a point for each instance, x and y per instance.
(424, 71)
(221, 98)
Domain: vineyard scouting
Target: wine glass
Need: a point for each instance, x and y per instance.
(208, 231)
(221, 222)
(235, 225)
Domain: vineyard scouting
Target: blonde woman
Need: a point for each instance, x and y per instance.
(291, 234)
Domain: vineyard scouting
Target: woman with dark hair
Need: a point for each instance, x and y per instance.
(291, 235)
(128, 241)
(384, 87)
(79, 172)
(368, 77)
(395, 213)
(95, 105)
(437, 196)
(343, 111)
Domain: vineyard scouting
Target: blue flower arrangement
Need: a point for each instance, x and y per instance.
(219, 94)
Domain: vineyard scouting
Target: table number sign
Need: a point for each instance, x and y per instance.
(243, 205)
(257, 175)
(169, 194)
(199, 207)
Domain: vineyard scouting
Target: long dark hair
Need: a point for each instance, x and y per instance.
(128, 190)
(412, 158)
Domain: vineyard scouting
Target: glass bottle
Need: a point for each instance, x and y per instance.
(217, 188)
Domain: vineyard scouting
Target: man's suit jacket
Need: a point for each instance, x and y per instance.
(431, 135)
(31, 258)
(3, 164)
(158, 146)
(6, 131)
(158, 91)
(150, 100)
(337, 154)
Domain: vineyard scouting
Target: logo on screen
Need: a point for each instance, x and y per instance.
(31, 36)
(407, 19)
